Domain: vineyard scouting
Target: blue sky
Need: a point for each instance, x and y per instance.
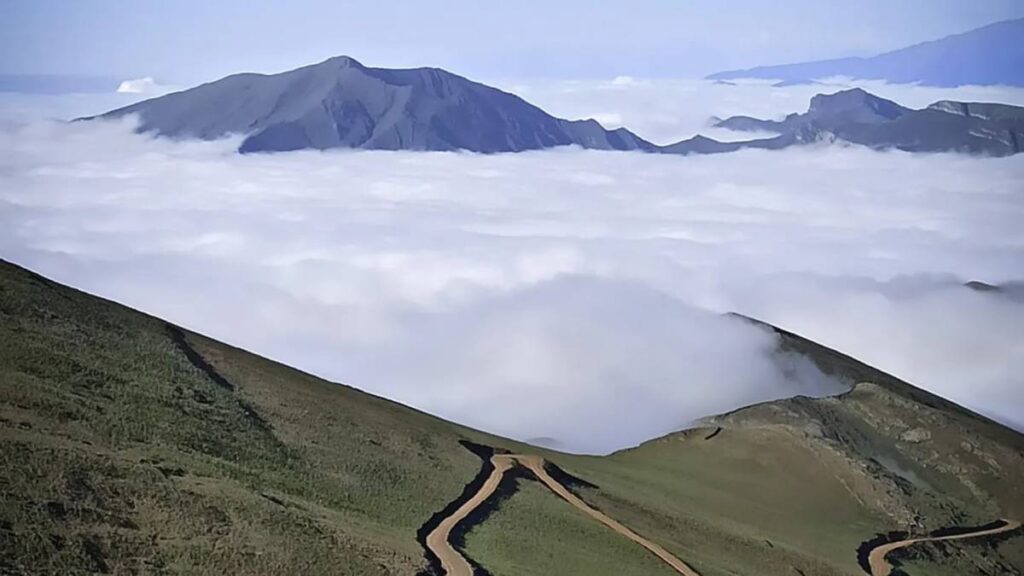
(187, 41)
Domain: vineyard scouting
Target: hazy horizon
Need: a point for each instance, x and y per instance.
(184, 43)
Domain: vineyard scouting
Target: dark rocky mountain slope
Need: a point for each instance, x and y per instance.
(339, 103)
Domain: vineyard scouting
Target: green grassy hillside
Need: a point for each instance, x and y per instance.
(797, 484)
(131, 446)
(120, 455)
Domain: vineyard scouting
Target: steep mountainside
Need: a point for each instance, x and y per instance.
(339, 103)
(992, 54)
(133, 446)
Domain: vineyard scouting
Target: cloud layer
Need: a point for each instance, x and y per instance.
(564, 294)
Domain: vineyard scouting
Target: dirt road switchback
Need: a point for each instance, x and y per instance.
(455, 564)
(881, 567)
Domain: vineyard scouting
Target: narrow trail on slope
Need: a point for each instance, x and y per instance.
(879, 566)
(455, 564)
(536, 465)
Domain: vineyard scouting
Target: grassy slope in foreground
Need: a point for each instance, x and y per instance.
(120, 455)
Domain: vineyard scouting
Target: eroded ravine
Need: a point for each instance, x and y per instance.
(453, 563)
(879, 566)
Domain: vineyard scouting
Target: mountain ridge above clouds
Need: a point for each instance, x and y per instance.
(858, 117)
(989, 55)
(339, 103)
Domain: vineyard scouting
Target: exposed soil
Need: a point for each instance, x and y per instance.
(434, 565)
(872, 554)
(476, 501)
(439, 539)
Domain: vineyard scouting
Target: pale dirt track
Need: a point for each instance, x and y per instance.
(454, 564)
(881, 567)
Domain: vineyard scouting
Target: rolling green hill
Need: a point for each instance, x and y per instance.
(133, 446)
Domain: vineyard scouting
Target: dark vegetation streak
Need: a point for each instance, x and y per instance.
(957, 530)
(178, 337)
(566, 479)
(716, 432)
(94, 552)
(196, 359)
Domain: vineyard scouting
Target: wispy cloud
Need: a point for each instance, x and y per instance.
(146, 86)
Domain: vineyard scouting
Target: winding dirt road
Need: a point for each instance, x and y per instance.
(455, 564)
(881, 567)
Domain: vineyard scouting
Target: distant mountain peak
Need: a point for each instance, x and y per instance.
(859, 117)
(340, 103)
(992, 54)
(342, 61)
(843, 98)
(856, 100)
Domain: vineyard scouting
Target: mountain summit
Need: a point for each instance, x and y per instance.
(340, 103)
(855, 105)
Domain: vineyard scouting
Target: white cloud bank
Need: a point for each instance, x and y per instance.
(566, 293)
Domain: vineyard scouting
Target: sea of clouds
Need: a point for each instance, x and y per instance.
(564, 294)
